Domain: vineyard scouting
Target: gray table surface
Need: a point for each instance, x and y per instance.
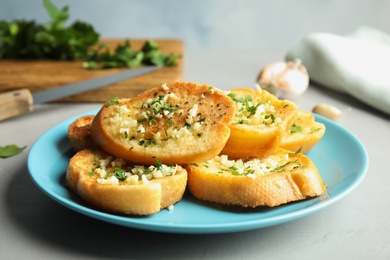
(33, 226)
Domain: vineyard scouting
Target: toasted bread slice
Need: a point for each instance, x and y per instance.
(113, 185)
(178, 122)
(270, 181)
(260, 121)
(79, 133)
(303, 134)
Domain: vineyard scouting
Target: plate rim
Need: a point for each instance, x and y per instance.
(204, 228)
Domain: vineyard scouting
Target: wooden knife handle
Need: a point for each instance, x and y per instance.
(15, 103)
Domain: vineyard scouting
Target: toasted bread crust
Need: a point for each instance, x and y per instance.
(303, 134)
(259, 123)
(177, 122)
(189, 124)
(124, 198)
(297, 178)
(79, 133)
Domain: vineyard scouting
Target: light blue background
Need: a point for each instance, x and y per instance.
(215, 24)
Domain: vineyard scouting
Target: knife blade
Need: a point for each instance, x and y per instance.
(21, 101)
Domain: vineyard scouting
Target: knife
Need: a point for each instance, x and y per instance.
(21, 101)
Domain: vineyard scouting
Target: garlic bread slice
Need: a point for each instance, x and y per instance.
(269, 181)
(259, 123)
(113, 185)
(178, 122)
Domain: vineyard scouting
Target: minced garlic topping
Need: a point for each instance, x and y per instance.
(162, 118)
(252, 168)
(116, 171)
(254, 112)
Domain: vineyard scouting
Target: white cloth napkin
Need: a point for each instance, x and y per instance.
(358, 64)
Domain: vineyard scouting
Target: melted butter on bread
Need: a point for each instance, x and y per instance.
(115, 171)
(259, 124)
(268, 181)
(113, 185)
(176, 122)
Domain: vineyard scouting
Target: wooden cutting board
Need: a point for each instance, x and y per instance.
(42, 75)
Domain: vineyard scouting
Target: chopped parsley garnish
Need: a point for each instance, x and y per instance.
(157, 108)
(123, 172)
(119, 173)
(313, 130)
(158, 164)
(248, 108)
(202, 119)
(147, 142)
(252, 109)
(239, 168)
(232, 96)
(142, 119)
(269, 116)
(282, 167)
(242, 121)
(160, 167)
(113, 101)
(299, 150)
(295, 129)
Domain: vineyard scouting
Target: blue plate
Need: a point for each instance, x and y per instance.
(340, 157)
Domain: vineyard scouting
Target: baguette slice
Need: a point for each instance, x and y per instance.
(178, 123)
(271, 181)
(91, 175)
(79, 133)
(259, 124)
(303, 134)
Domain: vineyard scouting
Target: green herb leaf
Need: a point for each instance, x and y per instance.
(235, 169)
(158, 164)
(13, 29)
(242, 122)
(297, 151)
(113, 101)
(119, 173)
(282, 167)
(160, 167)
(51, 9)
(10, 150)
(313, 130)
(233, 96)
(269, 116)
(295, 128)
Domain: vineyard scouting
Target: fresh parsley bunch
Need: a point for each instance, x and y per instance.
(126, 57)
(21, 39)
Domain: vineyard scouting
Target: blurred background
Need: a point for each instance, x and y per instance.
(214, 24)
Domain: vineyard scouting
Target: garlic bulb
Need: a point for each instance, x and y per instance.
(286, 80)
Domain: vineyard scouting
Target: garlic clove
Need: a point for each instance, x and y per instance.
(286, 80)
(328, 111)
